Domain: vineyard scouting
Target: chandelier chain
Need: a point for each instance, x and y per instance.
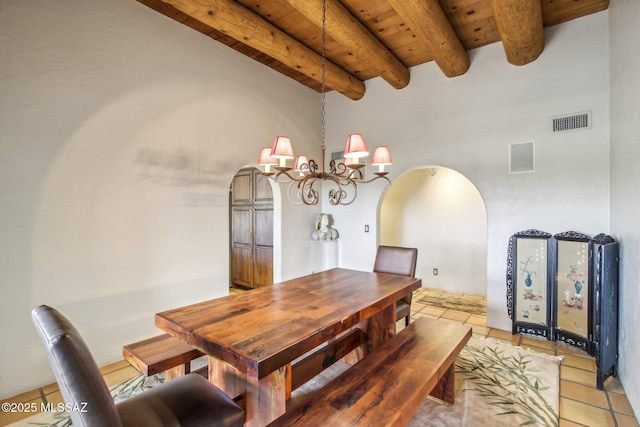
(343, 178)
(323, 67)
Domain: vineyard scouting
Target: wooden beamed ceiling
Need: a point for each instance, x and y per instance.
(374, 38)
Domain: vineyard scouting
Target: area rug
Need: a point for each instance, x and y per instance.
(452, 301)
(497, 385)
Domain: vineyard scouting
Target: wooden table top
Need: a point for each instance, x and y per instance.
(263, 329)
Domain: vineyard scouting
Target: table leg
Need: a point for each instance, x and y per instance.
(266, 399)
(381, 326)
(227, 377)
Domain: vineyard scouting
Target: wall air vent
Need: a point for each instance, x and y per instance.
(572, 122)
(522, 157)
(337, 156)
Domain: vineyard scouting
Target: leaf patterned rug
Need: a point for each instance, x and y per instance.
(452, 301)
(498, 385)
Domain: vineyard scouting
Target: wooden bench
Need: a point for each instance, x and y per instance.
(389, 384)
(161, 353)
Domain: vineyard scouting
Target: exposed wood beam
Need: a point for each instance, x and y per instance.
(245, 26)
(520, 25)
(428, 21)
(350, 33)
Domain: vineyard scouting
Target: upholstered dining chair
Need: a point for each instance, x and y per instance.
(189, 400)
(401, 261)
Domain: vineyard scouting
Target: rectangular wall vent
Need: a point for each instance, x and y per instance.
(572, 122)
(522, 157)
(337, 155)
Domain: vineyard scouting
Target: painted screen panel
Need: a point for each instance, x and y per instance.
(572, 293)
(531, 281)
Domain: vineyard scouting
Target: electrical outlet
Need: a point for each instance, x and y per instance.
(435, 271)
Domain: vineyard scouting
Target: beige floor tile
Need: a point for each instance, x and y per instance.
(434, 311)
(626, 421)
(575, 375)
(481, 331)
(620, 403)
(613, 384)
(476, 319)
(114, 366)
(50, 388)
(566, 348)
(567, 423)
(537, 343)
(18, 413)
(584, 393)
(580, 362)
(584, 414)
(24, 397)
(55, 398)
(419, 315)
(415, 310)
(460, 316)
(549, 351)
(505, 336)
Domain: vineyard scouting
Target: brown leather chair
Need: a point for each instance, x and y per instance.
(189, 400)
(401, 261)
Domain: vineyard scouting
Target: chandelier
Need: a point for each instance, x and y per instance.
(306, 176)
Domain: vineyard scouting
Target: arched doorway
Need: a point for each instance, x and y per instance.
(251, 226)
(439, 211)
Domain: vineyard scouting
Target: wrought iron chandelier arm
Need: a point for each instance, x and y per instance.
(373, 179)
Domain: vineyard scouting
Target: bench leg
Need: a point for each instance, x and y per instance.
(177, 371)
(445, 388)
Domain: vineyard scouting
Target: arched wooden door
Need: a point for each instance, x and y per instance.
(251, 229)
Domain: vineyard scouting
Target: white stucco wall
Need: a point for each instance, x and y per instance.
(467, 123)
(624, 16)
(440, 212)
(120, 131)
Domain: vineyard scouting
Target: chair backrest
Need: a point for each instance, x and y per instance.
(396, 260)
(76, 371)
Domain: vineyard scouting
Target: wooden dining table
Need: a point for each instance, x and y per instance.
(253, 337)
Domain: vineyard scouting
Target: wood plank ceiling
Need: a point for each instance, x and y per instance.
(374, 38)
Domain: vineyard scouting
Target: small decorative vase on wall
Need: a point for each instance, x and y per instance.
(578, 287)
(528, 280)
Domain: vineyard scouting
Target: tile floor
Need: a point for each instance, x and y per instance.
(581, 403)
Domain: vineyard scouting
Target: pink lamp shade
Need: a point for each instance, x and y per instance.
(300, 160)
(355, 147)
(282, 150)
(266, 160)
(381, 157)
(265, 157)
